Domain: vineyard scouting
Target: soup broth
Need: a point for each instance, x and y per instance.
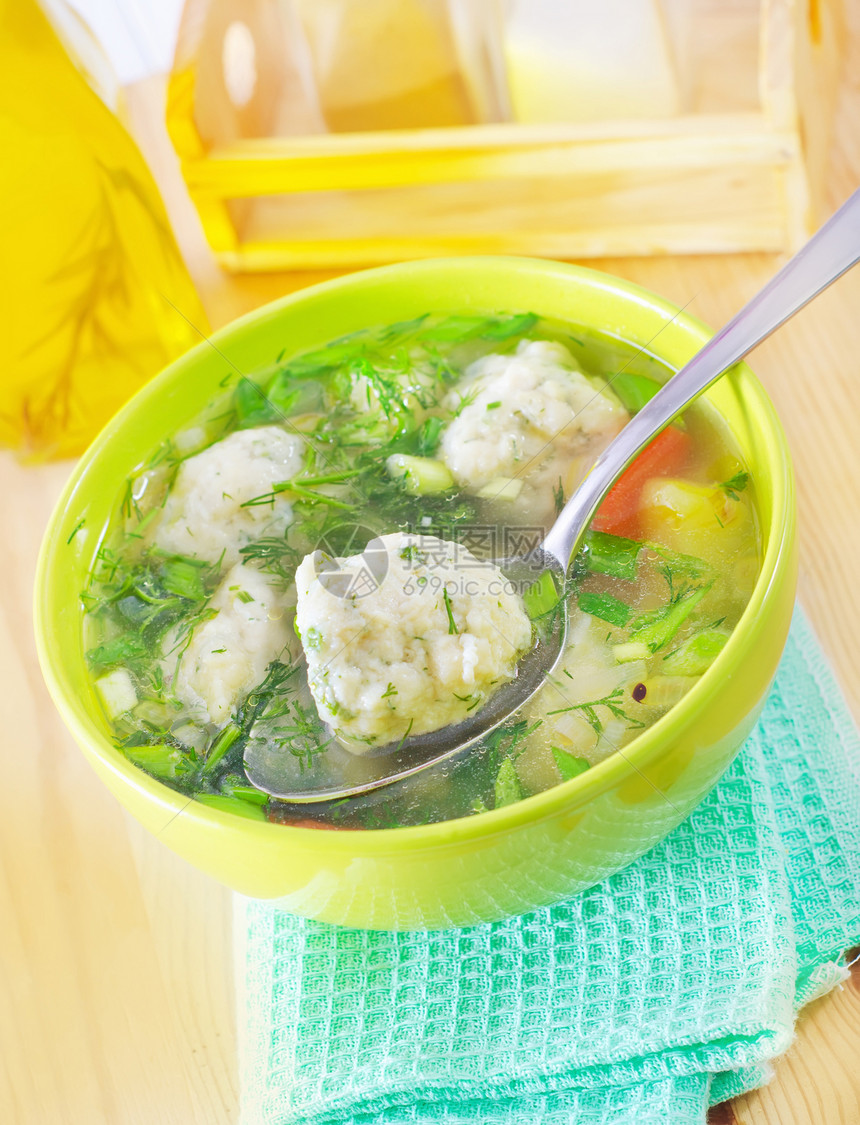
(351, 464)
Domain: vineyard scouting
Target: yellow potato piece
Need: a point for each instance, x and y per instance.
(694, 519)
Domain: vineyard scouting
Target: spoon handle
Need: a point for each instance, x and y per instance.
(831, 251)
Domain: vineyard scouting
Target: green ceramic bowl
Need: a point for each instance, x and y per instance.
(510, 860)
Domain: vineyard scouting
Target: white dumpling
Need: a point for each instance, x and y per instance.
(388, 654)
(228, 654)
(203, 515)
(529, 415)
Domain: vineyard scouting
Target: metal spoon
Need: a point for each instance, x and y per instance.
(834, 249)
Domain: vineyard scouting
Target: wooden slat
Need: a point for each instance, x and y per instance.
(644, 211)
(495, 137)
(737, 237)
(244, 170)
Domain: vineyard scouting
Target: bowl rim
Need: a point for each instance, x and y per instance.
(566, 797)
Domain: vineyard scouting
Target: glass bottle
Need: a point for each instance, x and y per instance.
(95, 297)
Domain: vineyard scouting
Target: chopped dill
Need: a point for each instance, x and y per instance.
(558, 496)
(452, 624)
(735, 485)
(474, 700)
(508, 740)
(272, 554)
(299, 731)
(75, 530)
(589, 710)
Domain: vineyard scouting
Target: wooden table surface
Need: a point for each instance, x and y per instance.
(116, 997)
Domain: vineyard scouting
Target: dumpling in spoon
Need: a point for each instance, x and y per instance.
(410, 636)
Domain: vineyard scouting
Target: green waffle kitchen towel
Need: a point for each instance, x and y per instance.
(671, 986)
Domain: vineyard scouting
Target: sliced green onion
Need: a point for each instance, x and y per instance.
(632, 650)
(542, 596)
(428, 435)
(503, 327)
(251, 404)
(182, 577)
(283, 398)
(634, 390)
(658, 632)
(117, 692)
(420, 475)
(312, 638)
(248, 793)
(144, 523)
(458, 329)
(161, 761)
(507, 787)
(228, 736)
(611, 554)
(696, 654)
(605, 606)
(401, 329)
(568, 765)
(119, 650)
(231, 805)
(688, 566)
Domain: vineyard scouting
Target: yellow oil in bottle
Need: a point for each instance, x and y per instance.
(92, 278)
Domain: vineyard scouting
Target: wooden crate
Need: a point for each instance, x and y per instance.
(745, 179)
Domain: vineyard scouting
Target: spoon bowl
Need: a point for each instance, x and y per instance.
(396, 761)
